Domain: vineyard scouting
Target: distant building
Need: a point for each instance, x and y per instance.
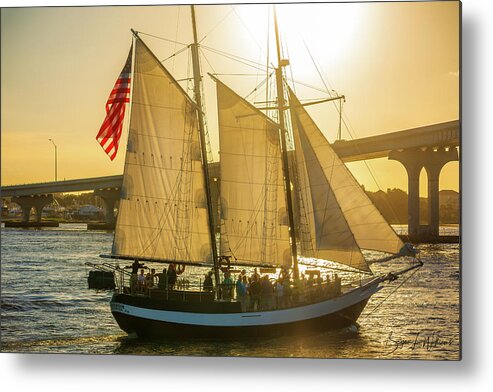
(14, 210)
(88, 212)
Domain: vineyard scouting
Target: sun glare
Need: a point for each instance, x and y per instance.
(325, 31)
(328, 31)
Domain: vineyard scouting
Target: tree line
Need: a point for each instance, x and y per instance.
(393, 206)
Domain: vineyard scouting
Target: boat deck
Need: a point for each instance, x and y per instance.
(205, 301)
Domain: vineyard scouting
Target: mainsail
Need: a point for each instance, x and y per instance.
(340, 217)
(254, 223)
(162, 213)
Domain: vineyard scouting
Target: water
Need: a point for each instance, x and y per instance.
(47, 307)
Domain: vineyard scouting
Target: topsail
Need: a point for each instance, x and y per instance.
(254, 223)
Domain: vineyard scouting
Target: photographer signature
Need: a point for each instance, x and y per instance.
(416, 342)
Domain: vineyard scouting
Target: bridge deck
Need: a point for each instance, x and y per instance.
(445, 134)
(83, 184)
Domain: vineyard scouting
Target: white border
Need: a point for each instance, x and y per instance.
(98, 373)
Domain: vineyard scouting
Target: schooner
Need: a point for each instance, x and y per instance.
(271, 206)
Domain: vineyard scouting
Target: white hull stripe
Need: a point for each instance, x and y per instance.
(252, 318)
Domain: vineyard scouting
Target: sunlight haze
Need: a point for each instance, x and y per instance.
(396, 63)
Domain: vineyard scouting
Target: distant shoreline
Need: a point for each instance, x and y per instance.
(53, 220)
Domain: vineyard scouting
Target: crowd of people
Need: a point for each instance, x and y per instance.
(142, 282)
(254, 292)
(257, 293)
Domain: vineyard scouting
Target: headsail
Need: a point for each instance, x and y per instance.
(341, 217)
(162, 213)
(254, 223)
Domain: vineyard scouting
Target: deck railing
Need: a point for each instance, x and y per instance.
(188, 288)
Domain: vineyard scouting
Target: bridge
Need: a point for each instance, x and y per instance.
(43, 188)
(442, 135)
(40, 194)
(429, 147)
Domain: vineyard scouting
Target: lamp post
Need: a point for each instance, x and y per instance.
(56, 164)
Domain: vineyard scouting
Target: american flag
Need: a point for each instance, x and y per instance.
(111, 130)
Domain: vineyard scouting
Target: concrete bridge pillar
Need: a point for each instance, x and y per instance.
(435, 160)
(413, 164)
(110, 196)
(432, 159)
(27, 202)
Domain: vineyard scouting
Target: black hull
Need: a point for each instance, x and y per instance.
(146, 328)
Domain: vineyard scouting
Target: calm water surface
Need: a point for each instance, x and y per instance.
(47, 307)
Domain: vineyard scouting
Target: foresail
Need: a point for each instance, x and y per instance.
(342, 218)
(327, 234)
(162, 213)
(254, 223)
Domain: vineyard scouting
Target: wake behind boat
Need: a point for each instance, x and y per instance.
(270, 206)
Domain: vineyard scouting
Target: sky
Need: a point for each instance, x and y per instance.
(396, 63)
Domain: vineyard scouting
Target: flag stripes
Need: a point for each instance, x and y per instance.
(110, 132)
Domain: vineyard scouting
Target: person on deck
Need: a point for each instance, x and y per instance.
(337, 284)
(256, 274)
(149, 282)
(141, 279)
(279, 289)
(133, 277)
(266, 293)
(300, 290)
(288, 292)
(227, 286)
(284, 273)
(328, 287)
(241, 293)
(171, 276)
(162, 280)
(208, 285)
(246, 282)
(255, 294)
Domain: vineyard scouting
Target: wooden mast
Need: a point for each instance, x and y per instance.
(198, 100)
(287, 182)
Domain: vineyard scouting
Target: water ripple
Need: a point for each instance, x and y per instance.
(47, 307)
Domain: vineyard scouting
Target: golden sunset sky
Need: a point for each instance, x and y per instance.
(396, 63)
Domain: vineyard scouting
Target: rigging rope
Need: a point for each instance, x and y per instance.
(391, 293)
(247, 29)
(264, 81)
(332, 268)
(207, 60)
(233, 74)
(367, 164)
(175, 54)
(237, 58)
(176, 36)
(162, 38)
(218, 23)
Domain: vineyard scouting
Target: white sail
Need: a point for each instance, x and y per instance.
(162, 211)
(341, 217)
(254, 223)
